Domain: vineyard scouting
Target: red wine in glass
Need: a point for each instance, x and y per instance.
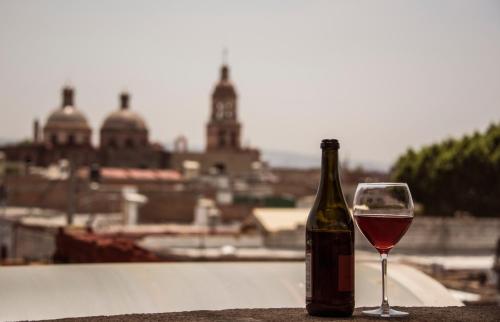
(383, 212)
(383, 231)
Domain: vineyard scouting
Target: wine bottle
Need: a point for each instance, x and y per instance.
(330, 243)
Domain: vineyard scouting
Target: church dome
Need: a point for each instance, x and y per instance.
(124, 118)
(224, 87)
(68, 116)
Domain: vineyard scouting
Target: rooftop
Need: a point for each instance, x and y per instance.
(276, 219)
(58, 291)
(136, 174)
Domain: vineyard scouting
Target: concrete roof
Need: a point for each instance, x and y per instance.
(79, 220)
(135, 174)
(176, 229)
(276, 219)
(53, 219)
(57, 291)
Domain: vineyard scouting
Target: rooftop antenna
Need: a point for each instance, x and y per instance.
(68, 82)
(224, 56)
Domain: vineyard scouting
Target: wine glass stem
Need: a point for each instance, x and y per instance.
(385, 301)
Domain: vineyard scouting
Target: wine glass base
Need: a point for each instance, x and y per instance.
(391, 313)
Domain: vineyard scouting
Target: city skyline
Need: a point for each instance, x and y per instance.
(297, 71)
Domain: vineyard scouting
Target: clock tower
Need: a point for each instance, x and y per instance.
(223, 128)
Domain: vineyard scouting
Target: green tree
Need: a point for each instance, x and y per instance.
(455, 175)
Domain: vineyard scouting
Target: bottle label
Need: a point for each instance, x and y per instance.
(329, 266)
(308, 275)
(346, 270)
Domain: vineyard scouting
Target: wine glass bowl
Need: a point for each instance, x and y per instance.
(383, 213)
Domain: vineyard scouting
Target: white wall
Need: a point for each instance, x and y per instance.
(427, 235)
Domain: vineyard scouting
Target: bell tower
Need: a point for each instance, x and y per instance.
(223, 128)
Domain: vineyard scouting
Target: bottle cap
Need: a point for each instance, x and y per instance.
(330, 144)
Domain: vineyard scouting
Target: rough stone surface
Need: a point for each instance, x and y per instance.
(466, 313)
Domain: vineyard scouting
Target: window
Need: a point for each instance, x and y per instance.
(112, 143)
(3, 252)
(129, 143)
(53, 139)
(220, 168)
(219, 111)
(222, 138)
(234, 139)
(71, 139)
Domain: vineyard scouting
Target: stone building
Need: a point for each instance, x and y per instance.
(67, 126)
(66, 135)
(124, 140)
(223, 128)
(223, 150)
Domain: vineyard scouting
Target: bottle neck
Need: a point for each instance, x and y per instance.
(330, 191)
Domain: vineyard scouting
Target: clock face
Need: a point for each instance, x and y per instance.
(224, 110)
(219, 110)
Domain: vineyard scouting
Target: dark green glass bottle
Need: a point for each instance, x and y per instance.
(330, 243)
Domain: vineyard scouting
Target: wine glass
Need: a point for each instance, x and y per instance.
(383, 213)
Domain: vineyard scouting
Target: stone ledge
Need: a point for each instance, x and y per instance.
(465, 313)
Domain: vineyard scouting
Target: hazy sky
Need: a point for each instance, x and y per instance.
(378, 75)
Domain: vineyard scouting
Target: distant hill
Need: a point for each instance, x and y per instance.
(4, 141)
(287, 159)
